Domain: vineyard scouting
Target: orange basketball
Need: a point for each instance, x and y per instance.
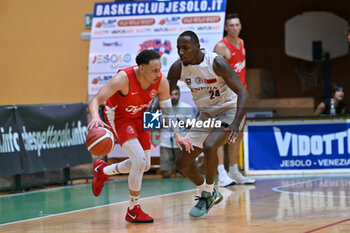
(100, 141)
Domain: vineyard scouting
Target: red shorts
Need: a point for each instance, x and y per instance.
(127, 128)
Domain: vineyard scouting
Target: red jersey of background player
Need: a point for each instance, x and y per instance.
(237, 60)
(135, 102)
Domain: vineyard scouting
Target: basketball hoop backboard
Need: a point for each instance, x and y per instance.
(324, 28)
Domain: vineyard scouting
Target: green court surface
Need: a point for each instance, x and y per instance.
(24, 206)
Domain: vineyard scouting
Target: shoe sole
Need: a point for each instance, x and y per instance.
(92, 189)
(200, 217)
(150, 221)
(247, 183)
(230, 184)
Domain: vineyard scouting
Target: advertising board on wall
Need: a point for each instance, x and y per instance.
(120, 30)
(297, 146)
(36, 138)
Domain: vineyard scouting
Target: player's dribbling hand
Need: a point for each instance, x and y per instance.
(97, 123)
(180, 140)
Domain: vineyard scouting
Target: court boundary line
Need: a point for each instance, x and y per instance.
(56, 188)
(329, 225)
(95, 207)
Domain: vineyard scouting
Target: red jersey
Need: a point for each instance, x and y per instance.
(135, 102)
(237, 60)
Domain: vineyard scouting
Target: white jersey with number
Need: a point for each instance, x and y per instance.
(210, 92)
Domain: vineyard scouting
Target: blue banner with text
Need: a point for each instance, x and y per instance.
(298, 146)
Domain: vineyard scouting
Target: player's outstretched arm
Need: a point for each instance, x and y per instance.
(117, 83)
(223, 69)
(166, 106)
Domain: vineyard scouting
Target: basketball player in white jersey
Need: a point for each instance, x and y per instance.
(218, 93)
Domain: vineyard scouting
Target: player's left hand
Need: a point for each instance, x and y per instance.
(234, 131)
(180, 140)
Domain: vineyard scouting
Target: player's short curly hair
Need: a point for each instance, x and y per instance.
(146, 56)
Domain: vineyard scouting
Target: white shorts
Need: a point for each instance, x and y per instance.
(198, 135)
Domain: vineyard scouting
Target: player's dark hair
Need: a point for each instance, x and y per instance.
(177, 88)
(194, 37)
(231, 16)
(146, 56)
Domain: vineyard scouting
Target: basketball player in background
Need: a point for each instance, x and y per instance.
(217, 93)
(126, 97)
(231, 47)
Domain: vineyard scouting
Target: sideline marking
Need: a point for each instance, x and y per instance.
(95, 207)
(329, 225)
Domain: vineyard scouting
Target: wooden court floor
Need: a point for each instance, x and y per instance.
(283, 205)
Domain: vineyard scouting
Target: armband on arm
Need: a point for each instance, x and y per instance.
(167, 110)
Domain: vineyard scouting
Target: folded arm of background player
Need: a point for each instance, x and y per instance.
(167, 110)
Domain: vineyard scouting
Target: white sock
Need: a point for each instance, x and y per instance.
(209, 188)
(133, 201)
(110, 169)
(201, 187)
(221, 170)
(234, 168)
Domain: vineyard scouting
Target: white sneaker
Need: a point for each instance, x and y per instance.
(240, 178)
(225, 180)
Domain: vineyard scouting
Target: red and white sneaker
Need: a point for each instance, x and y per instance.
(136, 215)
(99, 177)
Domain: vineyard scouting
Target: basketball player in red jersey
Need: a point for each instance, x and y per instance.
(231, 47)
(126, 97)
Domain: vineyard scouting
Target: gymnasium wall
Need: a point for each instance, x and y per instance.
(42, 58)
(263, 33)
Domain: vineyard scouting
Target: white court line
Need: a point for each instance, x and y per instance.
(277, 189)
(95, 207)
(48, 189)
(62, 187)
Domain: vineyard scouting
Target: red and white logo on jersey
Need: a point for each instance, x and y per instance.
(239, 66)
(210, 81)
(130, 130)
(132, 109)
(152, 94)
